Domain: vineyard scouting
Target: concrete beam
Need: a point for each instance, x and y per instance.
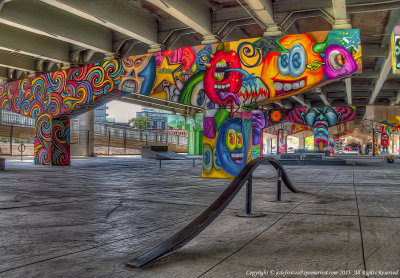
(13, 61)
(397, 100)
(387, 65)
(45, 20)
(324, 99)
(195, 14)
(279, 103)
(339, 11)
(347, 81)
(116, 15)
(15, 40)
(373, 52)
(264, 12)
(300, 99)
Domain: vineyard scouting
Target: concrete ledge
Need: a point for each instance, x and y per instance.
(2, 163)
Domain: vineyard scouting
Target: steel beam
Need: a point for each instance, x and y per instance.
(195, 14)
(42, 19)
(13, 61)
(116, 15)
(387, 65)
(16, 40)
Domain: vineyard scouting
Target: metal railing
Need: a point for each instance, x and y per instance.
(139, 135)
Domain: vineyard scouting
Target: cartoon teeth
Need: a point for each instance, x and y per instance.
(278, 86)
(129, 86)
(221, 86)
(220, 68)
(219, 76)
(221, 64)
(287, 87)
(237, 157)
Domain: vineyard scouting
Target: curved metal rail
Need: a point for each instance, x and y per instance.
(185, 235)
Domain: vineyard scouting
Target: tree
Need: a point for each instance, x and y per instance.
(140, 122)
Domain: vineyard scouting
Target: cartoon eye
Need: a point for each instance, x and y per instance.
(204, 57)
(336, 60)
(231, 139)
(207, 158)
(216, 162)
(198, 95)
(239, 140)
(209, 104)
(283, 63)
(138, 62)
(201, 97)
(297, 60)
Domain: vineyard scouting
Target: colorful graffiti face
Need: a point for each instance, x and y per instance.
(220, 86)
(286, 73)
(231, 146)
(227, 80)
(258, 122)
(385, 140)
(203, 57)
(139, 74)
(321, 119)
(338, 62)
(281, 142)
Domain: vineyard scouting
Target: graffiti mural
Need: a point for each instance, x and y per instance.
(52, 98)
(228, 80)
(320, 119)
(385, 143)
(281, 141)
(395, 42)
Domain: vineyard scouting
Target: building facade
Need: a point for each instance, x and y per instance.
(158, 119)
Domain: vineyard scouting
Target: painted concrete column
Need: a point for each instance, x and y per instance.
(85, 144)
(302, 142)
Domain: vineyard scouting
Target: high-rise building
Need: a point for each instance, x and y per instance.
(158, 119)
(100, 114)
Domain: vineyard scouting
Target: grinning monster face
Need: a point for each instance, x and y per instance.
(222, 87)
(139, 74)
(231, 146)
(286, 73)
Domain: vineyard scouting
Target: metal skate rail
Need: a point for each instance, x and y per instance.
(186, 234)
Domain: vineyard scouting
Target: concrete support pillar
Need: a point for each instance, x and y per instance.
(85, 144)
(269, 145)
(302, 142)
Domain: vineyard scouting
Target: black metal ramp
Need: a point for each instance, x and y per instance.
(182, 237)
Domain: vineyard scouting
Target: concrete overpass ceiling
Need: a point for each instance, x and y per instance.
(39, 36)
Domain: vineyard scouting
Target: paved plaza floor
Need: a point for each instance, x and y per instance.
(85, 220)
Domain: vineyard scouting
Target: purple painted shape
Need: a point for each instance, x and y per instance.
(338, 62)
(209, 127)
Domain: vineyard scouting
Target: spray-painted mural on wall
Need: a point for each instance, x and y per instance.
(52, 98)
(228, 80)
(395, 42)
(319, 119)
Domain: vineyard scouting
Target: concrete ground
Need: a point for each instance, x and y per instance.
(87, 219)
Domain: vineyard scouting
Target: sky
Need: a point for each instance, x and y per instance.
(121, 111)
